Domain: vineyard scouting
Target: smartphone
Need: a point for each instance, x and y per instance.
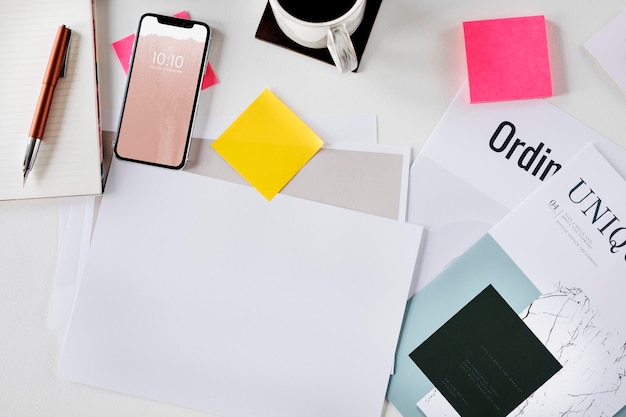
(164, 79)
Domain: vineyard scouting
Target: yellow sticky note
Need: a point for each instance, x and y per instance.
(268, 144)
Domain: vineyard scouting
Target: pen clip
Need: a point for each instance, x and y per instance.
(66, 54)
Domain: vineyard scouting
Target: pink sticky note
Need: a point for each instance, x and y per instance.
(124, 49)
(507, 59)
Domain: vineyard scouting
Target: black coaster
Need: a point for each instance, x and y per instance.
(269, 31)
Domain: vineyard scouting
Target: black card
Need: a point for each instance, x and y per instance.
(485, 361)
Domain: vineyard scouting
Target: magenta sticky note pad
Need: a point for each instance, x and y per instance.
(507, 59)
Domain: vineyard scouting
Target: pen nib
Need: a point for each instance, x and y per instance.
(29, 157)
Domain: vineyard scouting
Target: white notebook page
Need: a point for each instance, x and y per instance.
(68, 162)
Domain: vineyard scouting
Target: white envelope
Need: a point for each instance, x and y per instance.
(607, 47)
(460, 185)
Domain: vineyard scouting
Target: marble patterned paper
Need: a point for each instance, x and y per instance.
(593, 357)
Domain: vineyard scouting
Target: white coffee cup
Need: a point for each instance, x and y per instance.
(332, 34)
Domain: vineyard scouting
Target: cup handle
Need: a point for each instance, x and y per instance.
(341, 48)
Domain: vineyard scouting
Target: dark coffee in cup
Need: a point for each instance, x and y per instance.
(317, 11)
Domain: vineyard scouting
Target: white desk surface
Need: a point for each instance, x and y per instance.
(412, 67)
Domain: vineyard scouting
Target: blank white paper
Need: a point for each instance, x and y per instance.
(200, 293)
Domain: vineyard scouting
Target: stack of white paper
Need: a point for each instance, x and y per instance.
(199, 293)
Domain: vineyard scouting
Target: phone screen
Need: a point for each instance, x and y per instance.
(162, 91)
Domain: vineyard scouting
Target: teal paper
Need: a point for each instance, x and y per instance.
(483, 264)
